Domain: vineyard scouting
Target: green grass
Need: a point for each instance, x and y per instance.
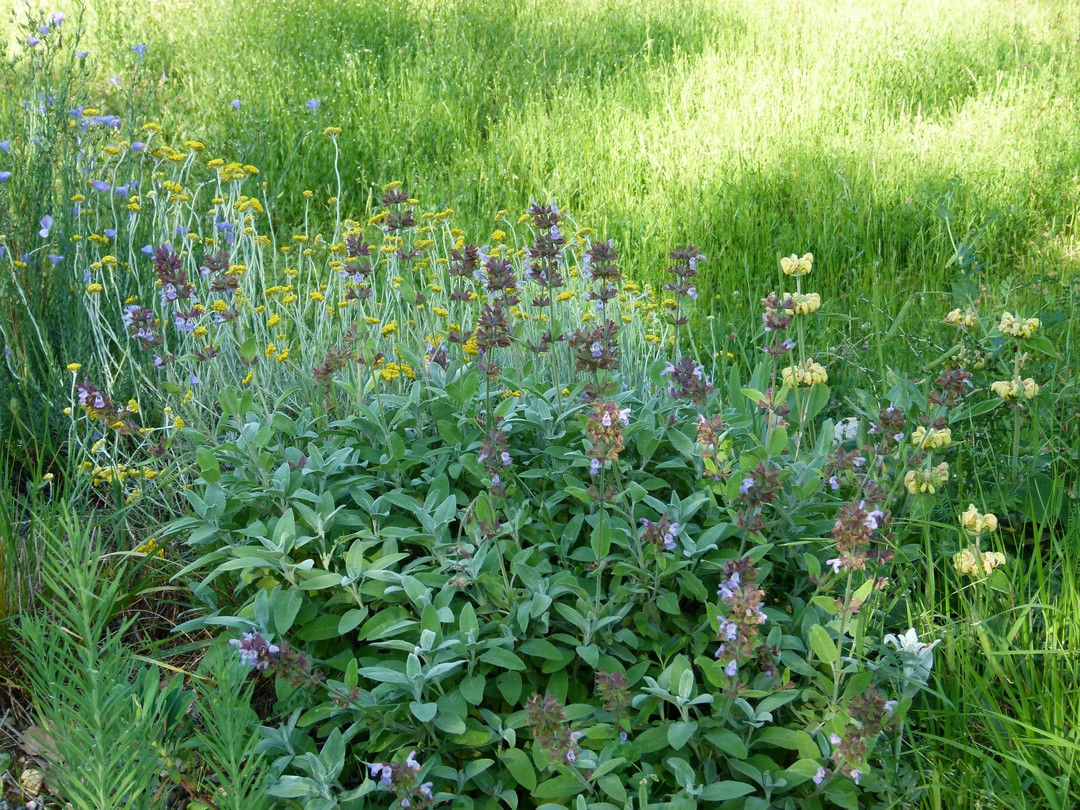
(891, 139)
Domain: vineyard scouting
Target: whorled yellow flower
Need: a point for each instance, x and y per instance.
(793, 265)
(1018, 327)
(1015, 388)
(974, 562)
(933, 438)
(806, 303)
(966, 318)
(975, 523)
(805, 374)
(926, 481)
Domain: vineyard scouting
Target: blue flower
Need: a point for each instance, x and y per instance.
(235, 104)
(109, 232)
(55, 259)
(46, 225)
(5, 176)
(147, 249)
(5, 147)
(81, 54)
(56, 19)
(139, 49)
(31, 42)
(313, 104)
(100, 185)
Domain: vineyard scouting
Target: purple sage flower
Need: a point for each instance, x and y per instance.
(819, 777)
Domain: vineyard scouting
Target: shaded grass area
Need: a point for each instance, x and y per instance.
(894, 140)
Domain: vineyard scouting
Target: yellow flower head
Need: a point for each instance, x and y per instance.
(967, 318)
(975, 523)
(806, 303)
(933, 438)
(974, 562)
(1015, 388)
(793, 265)
(1018, 327)
(73, 367)
(805, 374)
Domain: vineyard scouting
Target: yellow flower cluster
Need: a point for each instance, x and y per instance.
(151, 546)
(967, 318)
(975, 523)
(793, 265)
(974, 562)
(805, 374)
(1017, 327)
(806, 303)
(391, 371)
(933, 438)
(926, 480)
(1015, 388)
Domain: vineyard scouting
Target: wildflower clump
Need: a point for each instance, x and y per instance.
(1021, 328)
(974, 562)
(1016, 388)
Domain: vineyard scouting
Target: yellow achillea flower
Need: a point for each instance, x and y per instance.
(390, 372)
(793, 265)
(281, 358)
(73, 367)
(442, 313)
(933, 438)
(178, 423)
(565, 295)
(470, 347)
(331, 132)
(1017, 327)
(974, 562)
(1015, 388)
(247, 377)
(805, 374)
(94, 288)
(316, 296)
(510, 393)
(274, 320)
(150, 546)
(975, 523)
(195, 146)
(388, 329)
(271, 350)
